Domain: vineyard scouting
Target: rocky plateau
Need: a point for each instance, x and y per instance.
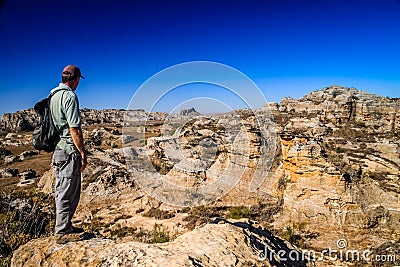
(231, 189)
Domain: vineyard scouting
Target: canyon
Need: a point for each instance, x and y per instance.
(220, 190)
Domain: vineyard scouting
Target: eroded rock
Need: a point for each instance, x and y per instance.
(226, 244)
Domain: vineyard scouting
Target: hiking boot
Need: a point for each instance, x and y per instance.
(72, 237)
(76, 230)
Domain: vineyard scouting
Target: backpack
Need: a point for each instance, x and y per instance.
(46, 135)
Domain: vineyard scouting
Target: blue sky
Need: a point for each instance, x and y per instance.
(287, 47)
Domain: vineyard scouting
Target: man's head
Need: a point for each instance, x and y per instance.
(71, 76)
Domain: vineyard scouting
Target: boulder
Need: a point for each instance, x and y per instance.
(9, 172)
(27, 174)
(11, 159)
(26, 154)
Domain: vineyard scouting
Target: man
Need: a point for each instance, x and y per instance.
(69, 158)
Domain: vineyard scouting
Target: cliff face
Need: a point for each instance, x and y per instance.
(315, 170)
(335, 174)
(24, 120)
(340, 171)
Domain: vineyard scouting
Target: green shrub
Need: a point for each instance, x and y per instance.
(238, 212)
(283, 181)
(19, 225)
(296, 234)
(159, 234)
(288, 234)
(5, 262)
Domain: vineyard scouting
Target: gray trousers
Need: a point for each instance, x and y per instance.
(67, 188)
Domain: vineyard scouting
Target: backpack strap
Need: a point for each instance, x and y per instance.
(58, 90)
(48, 101)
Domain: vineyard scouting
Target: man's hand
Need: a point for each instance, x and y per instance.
(84, 162)
(77, 137)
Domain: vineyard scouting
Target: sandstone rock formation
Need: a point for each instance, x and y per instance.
(226, 244)
(27, 120)
(315, 170)
(9, 172)
(27, 154)
(13, 139)
(24, 120)
(339, 170)
(185, 112)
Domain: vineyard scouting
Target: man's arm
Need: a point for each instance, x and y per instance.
(77, 137)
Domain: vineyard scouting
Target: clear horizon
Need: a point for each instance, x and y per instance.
(200, 104)
(288, 48)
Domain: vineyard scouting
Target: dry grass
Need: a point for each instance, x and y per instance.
(19, 225)
(40, 163)
(159, 214)
(97, 126)
(159, 234)
(262, 212)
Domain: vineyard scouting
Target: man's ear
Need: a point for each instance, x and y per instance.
(74, 83)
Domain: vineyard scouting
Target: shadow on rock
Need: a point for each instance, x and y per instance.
(87, 236)
(269, 247)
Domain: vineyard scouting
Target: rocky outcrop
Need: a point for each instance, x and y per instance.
(11, 159)
(23, 156)
(13, 139)
(315, 170)
(9, 172)
(223, 244)
(27, 120)
(190, 111)
(334, 106)
(335, 172)
(111, 200)
(24, 120)
(4, 152)
(28, 174)
(103, 137)
(26, 154)
(339, 167)
(27, 177)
